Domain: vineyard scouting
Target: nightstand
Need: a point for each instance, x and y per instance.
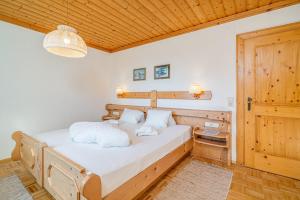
(212, 144)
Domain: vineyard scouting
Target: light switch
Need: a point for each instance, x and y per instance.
(230, 101)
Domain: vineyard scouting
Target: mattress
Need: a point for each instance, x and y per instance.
(117, 165)
(54, 138)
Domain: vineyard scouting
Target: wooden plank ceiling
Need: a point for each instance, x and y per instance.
(113, 25)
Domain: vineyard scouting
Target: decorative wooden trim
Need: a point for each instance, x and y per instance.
(90, 187)
(206, 95)
(267, 8)
(16, 155)
(30, 152)
(240, 140)
(135, 95)
(229, 129)
(271, 30)
(84, 184)
(110, 116)
(119, 108)
(205, 114)
(154, 95)
(224, 116)
(240, 82)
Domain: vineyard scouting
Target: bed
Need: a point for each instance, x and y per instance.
(114, 169)
(72, 171)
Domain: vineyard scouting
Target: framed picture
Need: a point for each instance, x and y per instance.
(139, 74)
(162, 72)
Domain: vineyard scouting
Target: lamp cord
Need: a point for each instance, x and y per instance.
(67, 12)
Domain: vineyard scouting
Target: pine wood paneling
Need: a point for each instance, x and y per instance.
(114, 25)
(155, 95)
(268, 126)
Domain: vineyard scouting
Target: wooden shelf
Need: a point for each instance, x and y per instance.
(211, 142)
(221, 135)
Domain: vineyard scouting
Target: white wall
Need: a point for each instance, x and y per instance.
(206, 56)
(40, 91)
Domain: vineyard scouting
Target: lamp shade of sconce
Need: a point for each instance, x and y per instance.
(196, 90)
(119, 91)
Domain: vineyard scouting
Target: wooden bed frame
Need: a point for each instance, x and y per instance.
(30, 152)
(66, 180)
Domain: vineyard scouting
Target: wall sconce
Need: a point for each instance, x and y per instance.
(120, 91)
(196, 90)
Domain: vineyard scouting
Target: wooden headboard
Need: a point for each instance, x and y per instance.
(182, 116)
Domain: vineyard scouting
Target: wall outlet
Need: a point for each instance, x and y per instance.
(230, 101)
(211, 124)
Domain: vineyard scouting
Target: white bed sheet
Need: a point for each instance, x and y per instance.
(117, 165)
(54, 138)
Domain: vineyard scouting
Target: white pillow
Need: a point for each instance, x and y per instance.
(171, 121)
(132, 116)
(158, 118)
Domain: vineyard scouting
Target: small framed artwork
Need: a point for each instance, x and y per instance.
(139, 74)
(162, 72)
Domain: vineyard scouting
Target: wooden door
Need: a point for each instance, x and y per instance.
(272, 101)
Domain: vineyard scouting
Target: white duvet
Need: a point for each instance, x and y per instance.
(104, 134)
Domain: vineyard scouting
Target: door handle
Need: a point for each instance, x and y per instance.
(249, 101)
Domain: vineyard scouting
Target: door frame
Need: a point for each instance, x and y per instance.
(240, 75)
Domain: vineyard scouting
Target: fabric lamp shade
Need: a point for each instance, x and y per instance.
(195, 89)
(119, 91)
(65, 42)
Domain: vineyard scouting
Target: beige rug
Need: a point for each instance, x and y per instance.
(11, 188)
(197, 181)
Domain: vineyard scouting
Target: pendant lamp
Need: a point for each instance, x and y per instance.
(64, 41)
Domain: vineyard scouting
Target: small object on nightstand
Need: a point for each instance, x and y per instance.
(211, 132)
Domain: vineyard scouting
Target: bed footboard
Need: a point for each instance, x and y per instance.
(66, 180)
(30, 152)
